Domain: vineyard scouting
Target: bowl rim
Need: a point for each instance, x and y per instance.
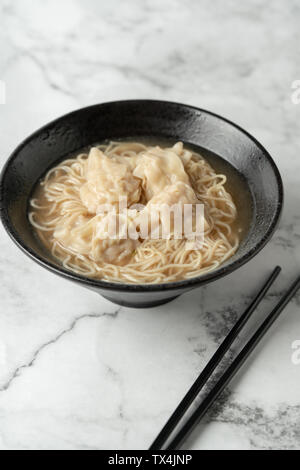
(122, 287)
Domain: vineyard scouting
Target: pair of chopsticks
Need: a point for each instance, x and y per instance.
(229, 373)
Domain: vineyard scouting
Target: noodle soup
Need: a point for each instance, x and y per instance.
(76, 200)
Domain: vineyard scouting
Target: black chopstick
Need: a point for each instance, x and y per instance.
(211, 366)
(233, 368)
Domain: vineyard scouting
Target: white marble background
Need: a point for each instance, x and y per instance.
(75, 371)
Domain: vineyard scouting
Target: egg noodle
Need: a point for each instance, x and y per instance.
(65, 212)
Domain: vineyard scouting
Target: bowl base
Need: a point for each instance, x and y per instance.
(138, 304)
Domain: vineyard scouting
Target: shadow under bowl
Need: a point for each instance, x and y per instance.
(140, 118)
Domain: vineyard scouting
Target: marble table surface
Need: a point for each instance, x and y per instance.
(76, 372)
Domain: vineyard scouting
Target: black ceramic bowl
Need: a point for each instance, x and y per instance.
(140, 118)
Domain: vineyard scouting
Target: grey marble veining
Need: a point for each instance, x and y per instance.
(76, 372)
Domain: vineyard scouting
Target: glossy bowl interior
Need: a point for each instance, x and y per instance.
(140, 118)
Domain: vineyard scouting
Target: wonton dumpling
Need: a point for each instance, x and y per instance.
(185, 155)
(76, 233)
(87, 236)
(159, 168)
(116, 250)
(108, 181)
(178, 194)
